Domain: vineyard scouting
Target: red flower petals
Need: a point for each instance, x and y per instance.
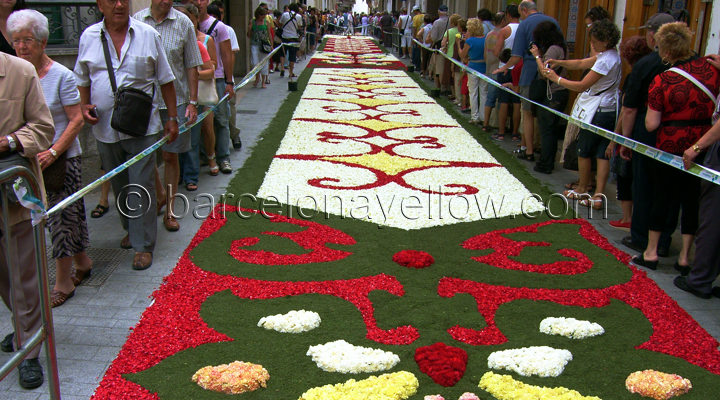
(413, 258)
(444, 364)
(313, 238)
(506, 248)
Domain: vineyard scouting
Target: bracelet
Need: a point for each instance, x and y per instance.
(53, 152)
(696, 148)
(536, 57)
(559, 79)
(173, 119)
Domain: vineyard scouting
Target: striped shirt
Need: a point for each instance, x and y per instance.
(177, 34)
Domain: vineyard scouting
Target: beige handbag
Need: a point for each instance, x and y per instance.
(207, 93)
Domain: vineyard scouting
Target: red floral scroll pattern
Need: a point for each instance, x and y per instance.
(314, 238)
(505, 248)
(675, 332)
(173, 322)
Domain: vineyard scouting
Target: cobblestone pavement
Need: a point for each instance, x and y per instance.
(92, 326)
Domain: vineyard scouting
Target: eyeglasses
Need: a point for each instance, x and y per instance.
(24, 41)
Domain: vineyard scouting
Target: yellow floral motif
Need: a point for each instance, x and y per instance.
(365, 86)
(389, 164)
(360, 76)
(370, 102)
(504, 387)
(378, 125)
(395, 386)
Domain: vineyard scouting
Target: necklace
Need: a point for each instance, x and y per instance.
(44, 67)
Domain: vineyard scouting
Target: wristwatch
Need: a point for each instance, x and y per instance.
(193, 103)
(11, 142)
(53, 152)
(230, 82)
(696, 148)
(173, 119)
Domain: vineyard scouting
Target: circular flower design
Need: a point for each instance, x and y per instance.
(542, 361)
(291, 322)
(234, 378)
(504, 387)
(395, 386)
(341, 356)
(657, 385)
(413, 259)
(570, 328)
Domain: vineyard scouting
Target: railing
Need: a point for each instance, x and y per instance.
(67, 19)
(46, 333)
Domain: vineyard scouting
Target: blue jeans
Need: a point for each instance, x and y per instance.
(222, 127)
(492, 96)
(190, 160)
(416, 56)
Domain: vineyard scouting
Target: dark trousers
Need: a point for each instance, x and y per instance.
(550, 128)
(416, 56)
(707, 252)
(642, 192)
(674, 188)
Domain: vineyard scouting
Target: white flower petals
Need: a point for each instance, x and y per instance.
(371, 145)
(542, 361)
(341, 356)
(570, 327)
(292, 322)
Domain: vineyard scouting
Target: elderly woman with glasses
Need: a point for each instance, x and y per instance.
(68, 229)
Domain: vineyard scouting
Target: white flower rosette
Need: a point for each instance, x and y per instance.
(341, 356)
(295, 321)
(570, 327)
(542, 361)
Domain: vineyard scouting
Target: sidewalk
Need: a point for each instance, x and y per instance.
(92, 326)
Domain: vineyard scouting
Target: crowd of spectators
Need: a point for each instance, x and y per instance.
(182, 57)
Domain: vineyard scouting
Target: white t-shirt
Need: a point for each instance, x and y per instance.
(234, 46)
(608, 65)
(290, 28)
(406, 24)
(60, 91)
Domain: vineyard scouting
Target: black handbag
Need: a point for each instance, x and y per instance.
(132, 109)
(54, 174)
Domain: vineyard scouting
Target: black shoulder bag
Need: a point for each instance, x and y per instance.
(133, 107)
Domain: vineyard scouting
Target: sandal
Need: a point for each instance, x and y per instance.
(595, 202)
(525, 156)
(77, 276)
(58, 298)
(191, 187)
(498, 137)
(214, 169)
(515, 138)
(99, 211)
(573, 195)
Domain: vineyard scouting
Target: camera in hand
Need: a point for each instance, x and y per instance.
(530, 47)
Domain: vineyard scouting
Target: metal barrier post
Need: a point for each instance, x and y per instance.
(46, 333)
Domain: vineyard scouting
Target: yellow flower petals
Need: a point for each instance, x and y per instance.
(395, 386)
(504, 387)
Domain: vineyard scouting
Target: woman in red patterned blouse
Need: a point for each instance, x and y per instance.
(681, 111)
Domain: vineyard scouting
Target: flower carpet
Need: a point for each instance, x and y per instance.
(377, 248)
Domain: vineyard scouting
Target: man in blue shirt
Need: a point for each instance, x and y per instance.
(531, 18)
